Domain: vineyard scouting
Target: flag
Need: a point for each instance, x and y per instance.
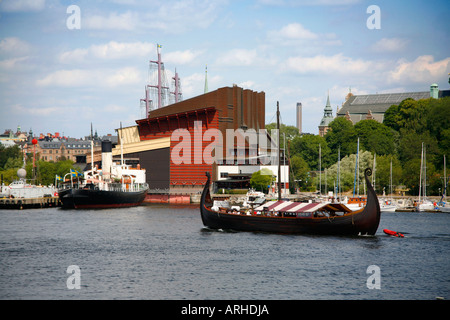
(75, 173)
(58, 178)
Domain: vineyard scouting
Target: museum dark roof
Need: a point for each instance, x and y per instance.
(377, 103)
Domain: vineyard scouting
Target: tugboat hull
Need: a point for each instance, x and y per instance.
(98, 199)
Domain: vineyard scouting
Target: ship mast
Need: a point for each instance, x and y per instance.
(279, 162)
(158, 90)
(177, 88)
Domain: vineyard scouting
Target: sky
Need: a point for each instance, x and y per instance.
(64, 67)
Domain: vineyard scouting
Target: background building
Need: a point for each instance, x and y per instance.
(225, 108)
(154, 139)
(324, 125)
(373, 106)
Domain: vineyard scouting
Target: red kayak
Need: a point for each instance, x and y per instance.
(393, 233)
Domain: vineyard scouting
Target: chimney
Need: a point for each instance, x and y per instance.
(106, 158)
(434, 91)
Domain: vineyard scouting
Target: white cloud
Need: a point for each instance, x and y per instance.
(247, 84)
(127, 21)
(22, 5)
(13, 47)
(195, 83)
(295, 34)
(293, 31)
(183, 15)
(92, 78)
(11, 63)
(124, 76)
(295, 3)
(181, 57)
(110, 51)
(238, 57)
(389, 45)
(174, 17)
(338, 93)
(77, 55)
(337, 63)
(14, 53)
(422, 70)
(36, 111)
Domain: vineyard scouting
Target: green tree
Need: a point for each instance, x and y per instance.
(383, 172)
(62, 167)
(347, 172)
(410, 146)
(289, 131)
(7, 153)
(300, 170)
(342, 135)
(375, 137)
(307, 147)
(411, 174)
(438, 122)
(261, 179)
(409, 114)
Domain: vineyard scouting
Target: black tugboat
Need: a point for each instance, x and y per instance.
(115, 186)
(92, 197)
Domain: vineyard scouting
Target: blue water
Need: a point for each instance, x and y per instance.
(164, 252)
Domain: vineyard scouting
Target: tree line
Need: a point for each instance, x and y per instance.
(44, 173)
(398, 140)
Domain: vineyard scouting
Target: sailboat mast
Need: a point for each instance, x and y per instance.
(339, 174)
(320, 170)
(444, 194)
(279, 163)
(390, 180)
(420, 179)
(424, 172)
(356, 170)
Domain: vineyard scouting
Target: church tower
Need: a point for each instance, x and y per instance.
(327, 118)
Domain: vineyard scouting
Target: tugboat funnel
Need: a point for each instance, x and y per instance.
(106, 159)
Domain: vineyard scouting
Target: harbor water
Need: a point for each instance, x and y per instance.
(165, 252)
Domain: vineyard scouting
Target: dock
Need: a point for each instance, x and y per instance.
(27, 203)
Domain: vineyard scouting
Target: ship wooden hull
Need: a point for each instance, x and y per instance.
(362, 221)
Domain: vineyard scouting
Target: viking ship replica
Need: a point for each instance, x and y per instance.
(295, 217)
